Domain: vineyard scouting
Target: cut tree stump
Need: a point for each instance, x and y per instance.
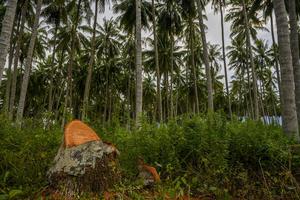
(83, 163)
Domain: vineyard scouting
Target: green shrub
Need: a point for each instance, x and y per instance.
(199, 154)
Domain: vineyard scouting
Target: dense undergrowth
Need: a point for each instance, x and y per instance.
(196, 155)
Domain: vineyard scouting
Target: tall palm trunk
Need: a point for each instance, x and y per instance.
(276, 58)
(193, 64)
(251, 111)
(7, 27)
(8, 82)
(16, 61)
(139, 70)
(12, 48)
(249, 48)
(69, 91)
(90, 67)
(29, 62)
(224, 61)
(171, 113)
(289, 114)
(50, 99)
(158, 89)
(205, 57)
(295, 53)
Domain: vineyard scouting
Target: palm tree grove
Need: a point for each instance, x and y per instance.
(150, 99)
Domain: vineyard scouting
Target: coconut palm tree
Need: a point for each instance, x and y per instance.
(205, 57)
(138, 64)
(289, 114)
(219, 5)
(55, 13)
(28, 64)
(158, 89)
(17, 58)
(6, 30)
(170, 25)
(295, 52)
(189, 13)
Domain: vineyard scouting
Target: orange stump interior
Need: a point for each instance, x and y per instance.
(77, 133)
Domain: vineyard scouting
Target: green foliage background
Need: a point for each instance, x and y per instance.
(202, 154)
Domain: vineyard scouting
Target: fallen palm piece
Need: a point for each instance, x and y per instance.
(83, 163)
(147, 173)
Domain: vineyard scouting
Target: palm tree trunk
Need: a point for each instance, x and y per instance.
(139, 70)
(16, 61)
(205, 57)
(29, 62)
(249, 47)
(8, 81)
(171, 113)
(69, 92)
(90, 67)
(7, 27)
(289, 114)
(12, 48)
(276, 58)
(250, 95)
(224, 61)
(50, 100)
(295, 52)
(193, 64)
(158, 89)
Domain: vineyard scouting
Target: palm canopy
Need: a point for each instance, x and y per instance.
(126, 9)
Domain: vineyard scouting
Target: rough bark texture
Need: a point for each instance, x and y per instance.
(205, 57)
(139, 70)
(254, 78)
(295, 52)
(90, 67)
(158, 96)
(289, 114)
(90, 167)
(29, 62)
(7, 26)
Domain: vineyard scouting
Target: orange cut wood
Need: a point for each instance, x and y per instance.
(153, 172)
(77, 133)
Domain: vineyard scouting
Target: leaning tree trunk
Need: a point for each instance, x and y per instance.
(295, 53)
(7, 27)
(90, 67)
(139, 70)
(224, 61)
(249, 47)
(158, 95)
(29, 63)
(16, 61)
(205, 57)
(289, 114)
